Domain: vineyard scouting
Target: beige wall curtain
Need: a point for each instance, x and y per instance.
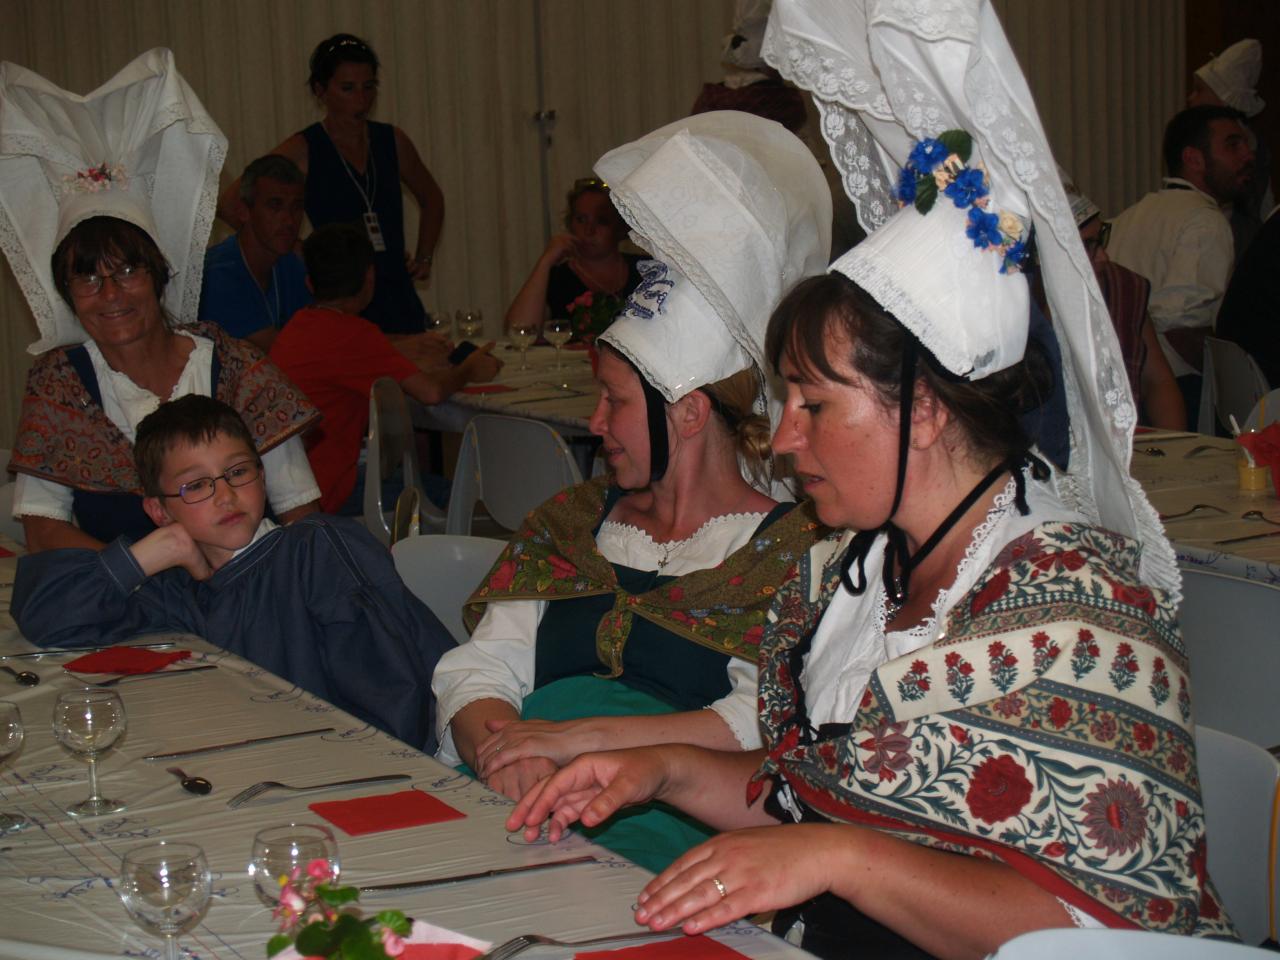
(459, 76)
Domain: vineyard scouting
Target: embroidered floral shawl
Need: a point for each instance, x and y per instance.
(1049, 728)
(554, 557)
(64, 436)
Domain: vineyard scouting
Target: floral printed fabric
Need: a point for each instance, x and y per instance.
(553, 556)
(1049, 727)
(64, 436)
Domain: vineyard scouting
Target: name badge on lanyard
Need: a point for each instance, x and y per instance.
(374, 230)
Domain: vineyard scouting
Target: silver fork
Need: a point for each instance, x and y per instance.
(249, 793)
(505, 951)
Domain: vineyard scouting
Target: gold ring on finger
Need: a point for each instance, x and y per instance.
(720, 886)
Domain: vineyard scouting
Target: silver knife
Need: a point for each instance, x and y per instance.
(479, 875)
(58, 651)
(215, 747)
(1252, 536)
(127, 677)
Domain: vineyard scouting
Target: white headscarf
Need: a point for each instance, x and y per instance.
(1233, 76)
(140, 148)
(736, 211)
(886, 74)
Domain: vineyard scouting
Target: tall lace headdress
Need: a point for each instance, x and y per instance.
(141, 148)
(887, 74)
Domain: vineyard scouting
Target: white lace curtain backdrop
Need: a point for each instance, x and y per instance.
(459, 78)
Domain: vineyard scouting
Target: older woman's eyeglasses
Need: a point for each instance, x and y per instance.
(126, 277)
(237, 475)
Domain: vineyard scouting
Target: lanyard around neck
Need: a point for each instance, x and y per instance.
(370, 170)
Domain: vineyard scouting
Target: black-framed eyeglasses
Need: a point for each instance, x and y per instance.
(237, 475)
(126, 277)
(1098, 242)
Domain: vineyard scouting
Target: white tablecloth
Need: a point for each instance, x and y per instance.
(56, 877)
(1175, 481)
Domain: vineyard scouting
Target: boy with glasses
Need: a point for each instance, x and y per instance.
(318, 603)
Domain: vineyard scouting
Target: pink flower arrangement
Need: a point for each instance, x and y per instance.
(592, 313)
(311, 919)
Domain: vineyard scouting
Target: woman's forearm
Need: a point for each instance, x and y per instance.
(530, 304)
(712, 785)
(45, 533)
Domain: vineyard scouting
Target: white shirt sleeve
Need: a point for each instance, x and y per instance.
(739, 708)
(1196, 277)
(496, 663)
(290, 482)
(33, 497)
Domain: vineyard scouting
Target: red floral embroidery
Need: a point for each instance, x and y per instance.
(999, 789)
(561, 569)
(1055, 849)
(1159, 909)
(503, 576)
(753, 634)
(1135, 596)
(1145, 737)
(993, 590)
(889, 749)
(1060, 712)
(675, 594)
(1115, 817)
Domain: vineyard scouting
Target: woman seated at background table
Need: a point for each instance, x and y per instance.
(627, 605)
(98, 282)
(584, 259)
(977, 703)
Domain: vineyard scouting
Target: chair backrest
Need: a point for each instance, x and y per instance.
(1233, 382)
(391, 445)
(408, 515)
(1270, 404)
(443, 570)
(511, 464)
(1231, 629)
(1068, 943)
(1238, 784)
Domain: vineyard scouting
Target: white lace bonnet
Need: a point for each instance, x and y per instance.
(736, 211)
(1233, 76)
(140, 148)
(888, 73)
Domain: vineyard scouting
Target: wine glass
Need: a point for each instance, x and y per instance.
(470, 323)
(11, 734)
(558, 331)
(166, 887)
(88, 722)
(522, 336)
(280, 851)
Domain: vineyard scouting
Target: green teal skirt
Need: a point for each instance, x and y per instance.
(652, 834)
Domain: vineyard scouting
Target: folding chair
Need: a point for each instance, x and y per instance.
(390, 446)
(1233, 384)
(512, 465)
(442, 571)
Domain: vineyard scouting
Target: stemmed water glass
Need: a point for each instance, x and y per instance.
(283, 852)
(470, 323)
(558, 331)
(522, 336)
(11, 733)
(166, 887)
(88, 722)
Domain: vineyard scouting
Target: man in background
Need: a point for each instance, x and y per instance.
(254, 281)
(1180, 240)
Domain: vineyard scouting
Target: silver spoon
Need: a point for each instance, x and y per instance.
(197, 785)
(24, 677)
(1188, 512)
(1257, 515)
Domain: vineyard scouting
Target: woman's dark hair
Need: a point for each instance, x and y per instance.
(987, 410)
(110, 241)
(330, 54)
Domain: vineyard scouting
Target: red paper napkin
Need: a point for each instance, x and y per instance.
(388, 811)
(6, 553)
(125, 660)
(1265, 447)
(681, 948)
(488, 388)
(438, 951)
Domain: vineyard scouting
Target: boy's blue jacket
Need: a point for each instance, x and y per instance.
(318, 603)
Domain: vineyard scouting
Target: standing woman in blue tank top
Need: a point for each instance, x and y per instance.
(354, 167)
